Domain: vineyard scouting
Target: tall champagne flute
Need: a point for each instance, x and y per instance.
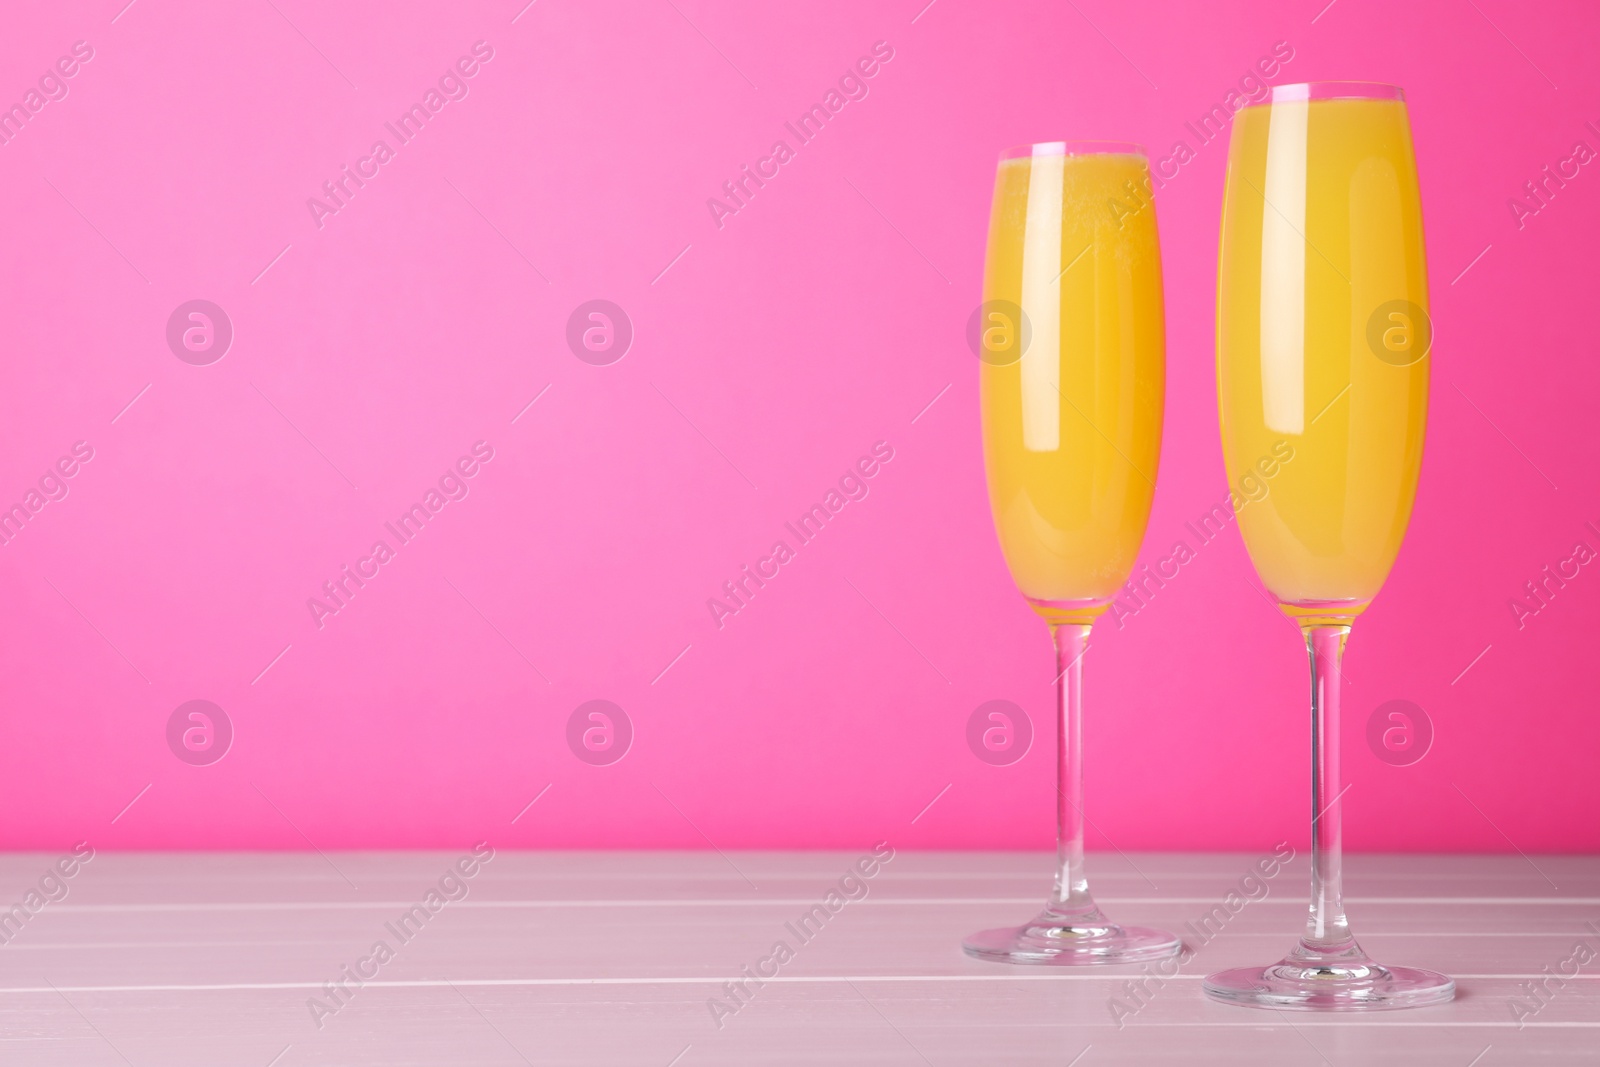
(1322, 345)
(1072, 343)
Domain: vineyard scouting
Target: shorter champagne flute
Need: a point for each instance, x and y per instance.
(1072, 382)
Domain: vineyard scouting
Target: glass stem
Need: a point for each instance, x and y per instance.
(1072, 887)
(1327, 931)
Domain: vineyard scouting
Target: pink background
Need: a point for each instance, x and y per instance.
(823, 317)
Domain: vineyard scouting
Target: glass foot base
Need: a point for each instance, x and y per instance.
(1059, 940)
(1348, 985)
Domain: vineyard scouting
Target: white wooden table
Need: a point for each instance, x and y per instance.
(612, 958)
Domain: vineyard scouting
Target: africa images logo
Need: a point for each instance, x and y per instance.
(453, 85)
(852, 85)
(454, 485)
(853, 485)
(52, 88)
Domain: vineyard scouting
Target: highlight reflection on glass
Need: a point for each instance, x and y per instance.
(1072, 340)
(1322, 345)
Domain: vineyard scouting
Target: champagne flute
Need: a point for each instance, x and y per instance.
(1322, 344)
(1071, 338)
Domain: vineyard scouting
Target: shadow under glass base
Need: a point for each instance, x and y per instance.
(1061, 939)
(1349, 983)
